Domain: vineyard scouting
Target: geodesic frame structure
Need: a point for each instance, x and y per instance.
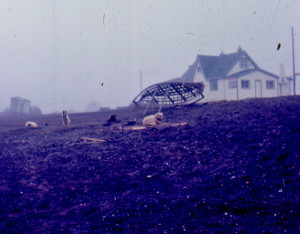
(171, 94)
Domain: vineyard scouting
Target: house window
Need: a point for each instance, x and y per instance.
(213, 85)
(245, 84)
(232, 84)
(244, 64)
(199, 69)
(270, 84)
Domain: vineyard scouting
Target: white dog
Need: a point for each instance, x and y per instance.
(153, 119)
(65, 118)
(30, 124)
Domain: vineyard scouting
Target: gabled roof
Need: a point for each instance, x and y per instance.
(188, 76)
(217, 67)
(245, 72)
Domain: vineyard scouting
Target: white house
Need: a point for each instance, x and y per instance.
(231, 77)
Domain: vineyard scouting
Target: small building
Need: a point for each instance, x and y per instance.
(231, 77)
(19, 105)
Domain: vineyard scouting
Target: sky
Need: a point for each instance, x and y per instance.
(67, 54)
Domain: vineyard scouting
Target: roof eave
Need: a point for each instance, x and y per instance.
(245, 72)
(268, 73)
(251, 60)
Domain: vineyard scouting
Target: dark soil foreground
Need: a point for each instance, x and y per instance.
(233, 168)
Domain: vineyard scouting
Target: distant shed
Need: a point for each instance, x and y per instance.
(19, 105)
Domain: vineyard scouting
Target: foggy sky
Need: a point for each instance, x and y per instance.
(57, 53)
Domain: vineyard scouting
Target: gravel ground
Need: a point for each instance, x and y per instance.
(234, 167)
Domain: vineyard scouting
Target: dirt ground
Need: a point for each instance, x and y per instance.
(233, 168)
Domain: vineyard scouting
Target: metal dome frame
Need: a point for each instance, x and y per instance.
(170, 94)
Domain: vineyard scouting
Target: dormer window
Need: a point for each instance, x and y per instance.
(244, 64)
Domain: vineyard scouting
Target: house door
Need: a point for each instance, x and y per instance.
(258, 88)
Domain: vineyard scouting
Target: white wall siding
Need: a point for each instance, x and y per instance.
(214, 95)
(247, 93)
(226, 90)
(231, 93)
(208, 94)
(199, 77)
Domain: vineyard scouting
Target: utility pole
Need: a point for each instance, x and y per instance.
(294, 76)
(141, 80)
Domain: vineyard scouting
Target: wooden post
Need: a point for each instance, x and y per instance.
(150, 102)
(237, 88)
(165, 95)
(293, 50)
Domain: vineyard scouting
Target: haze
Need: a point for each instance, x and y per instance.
(64, 54)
